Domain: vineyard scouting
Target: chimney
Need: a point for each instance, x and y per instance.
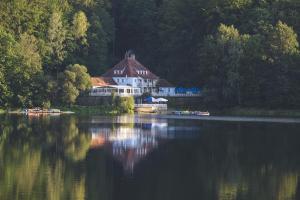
(129, 54)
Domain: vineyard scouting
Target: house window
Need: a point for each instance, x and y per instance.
(118, 80)
(128, 91)
(121, 91)
(122, 80)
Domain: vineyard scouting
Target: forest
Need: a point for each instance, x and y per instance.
(240, 52)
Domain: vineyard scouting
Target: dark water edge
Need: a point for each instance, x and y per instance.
(136, 157)
(257, 112)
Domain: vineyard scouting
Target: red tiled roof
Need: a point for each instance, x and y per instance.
(102, 81)
(129, 67)
(164, 83)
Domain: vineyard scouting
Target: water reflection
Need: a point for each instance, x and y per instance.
(130, 138)
(71, 157)
(33, 158)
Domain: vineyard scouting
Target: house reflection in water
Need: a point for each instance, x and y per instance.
(129, 139)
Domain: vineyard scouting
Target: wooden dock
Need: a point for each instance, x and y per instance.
(150, 108)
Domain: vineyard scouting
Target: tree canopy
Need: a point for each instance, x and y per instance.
(242, 52)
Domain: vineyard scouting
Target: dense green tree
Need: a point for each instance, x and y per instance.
(100, 36)
(28, 50)
(19, 68)
(56, 40)
(238, 4)
(7, 43)
(3, 89)
(80, 25)
(74, 80)
(283, 40)
(224, 52)
(282, 48)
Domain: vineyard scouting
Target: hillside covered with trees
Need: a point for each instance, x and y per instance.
(241, 52)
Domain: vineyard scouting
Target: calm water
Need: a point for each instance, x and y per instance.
(136, 158)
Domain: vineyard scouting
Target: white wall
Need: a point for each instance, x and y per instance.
(124, 80)
(135, 81)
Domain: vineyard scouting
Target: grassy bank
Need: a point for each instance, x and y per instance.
(256, 112)
(2, 111)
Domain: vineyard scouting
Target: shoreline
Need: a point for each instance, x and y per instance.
(224, 118)
(234, 113)
(256, 112)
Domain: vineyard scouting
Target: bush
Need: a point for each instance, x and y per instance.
(127, 105)
(123, 104)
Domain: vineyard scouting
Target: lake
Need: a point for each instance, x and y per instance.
(147, 158)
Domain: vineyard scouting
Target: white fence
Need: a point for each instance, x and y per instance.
(175, 95)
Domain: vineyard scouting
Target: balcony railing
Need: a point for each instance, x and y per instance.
(162, 94)
(103, 94)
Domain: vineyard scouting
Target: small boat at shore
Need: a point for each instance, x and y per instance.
(41, 111)
(145, 110)
(197, 113)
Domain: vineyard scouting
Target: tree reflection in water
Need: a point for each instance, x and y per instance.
(68, 157)
(40, 158)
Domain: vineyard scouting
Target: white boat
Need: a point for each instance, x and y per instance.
(198, 113)
(202, 113)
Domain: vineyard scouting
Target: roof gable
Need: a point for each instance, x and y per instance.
(130, 67)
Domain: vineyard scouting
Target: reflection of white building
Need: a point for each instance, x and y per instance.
(128, 145)
(129, 142)
(130, 138)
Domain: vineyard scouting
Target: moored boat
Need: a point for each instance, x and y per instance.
(41, 111)
(198, 113)
(145, 109)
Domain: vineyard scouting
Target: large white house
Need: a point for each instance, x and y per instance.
(130, 78)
